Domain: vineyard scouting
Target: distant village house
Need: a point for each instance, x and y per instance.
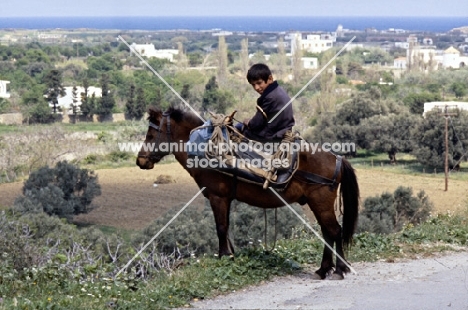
(148, 50)
(426, 57)
(442, 105)
(65, 102)
(3, 89)
(314, 43)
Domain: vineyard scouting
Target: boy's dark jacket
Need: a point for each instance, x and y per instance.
(272, 100)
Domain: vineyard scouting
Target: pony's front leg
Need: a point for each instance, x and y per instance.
(221, 208)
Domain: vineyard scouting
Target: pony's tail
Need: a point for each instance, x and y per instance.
(349, 191)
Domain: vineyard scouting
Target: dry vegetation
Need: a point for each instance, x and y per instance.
(130, 200)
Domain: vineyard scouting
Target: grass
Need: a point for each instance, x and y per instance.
(94, 127)
(78, 127)
(406, 164)
(205, 277)
(5, 129)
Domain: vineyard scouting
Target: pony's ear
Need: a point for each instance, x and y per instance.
(154, 113)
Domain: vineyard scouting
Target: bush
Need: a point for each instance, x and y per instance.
(64, 190)
(389, 213)
(119, 156)
(194, 231)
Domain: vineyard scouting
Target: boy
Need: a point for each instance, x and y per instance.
(272, 99)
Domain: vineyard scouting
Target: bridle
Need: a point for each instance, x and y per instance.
(153, 156)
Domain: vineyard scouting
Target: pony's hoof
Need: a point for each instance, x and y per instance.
(336, 276)
(316, 276)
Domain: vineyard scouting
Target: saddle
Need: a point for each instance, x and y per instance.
(230, 152)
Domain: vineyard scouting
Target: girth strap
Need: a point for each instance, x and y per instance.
(309, 177)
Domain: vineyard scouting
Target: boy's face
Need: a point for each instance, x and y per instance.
(261, 85)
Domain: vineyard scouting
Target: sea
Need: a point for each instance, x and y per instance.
(237, 24)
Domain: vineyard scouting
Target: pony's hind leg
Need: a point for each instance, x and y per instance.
(331, 231)
(327, 258)
(221, 210)
(341, 267)
(324, 212)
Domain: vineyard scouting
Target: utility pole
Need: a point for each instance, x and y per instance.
(447, 115)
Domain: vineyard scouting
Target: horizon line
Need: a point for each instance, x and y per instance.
(237, 16)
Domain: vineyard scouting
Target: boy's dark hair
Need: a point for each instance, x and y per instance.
(258, 72)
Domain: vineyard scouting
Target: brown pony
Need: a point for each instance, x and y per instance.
(175, 125)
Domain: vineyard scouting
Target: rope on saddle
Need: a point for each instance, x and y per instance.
(217, 138)
(282, 154)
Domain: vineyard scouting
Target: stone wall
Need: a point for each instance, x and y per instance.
(11, 119)
(17, 118)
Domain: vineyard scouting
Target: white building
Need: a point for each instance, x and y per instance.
(222, 33)
(312, 43)
(399, 63)
(441, 105)
(148, 50)
(309, 62)
(66, 101)
(453, 59)
(422, 55)
(3, 89)
(404, 45)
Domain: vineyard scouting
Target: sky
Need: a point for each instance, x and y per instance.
(29, 8)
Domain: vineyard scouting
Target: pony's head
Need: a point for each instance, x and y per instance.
(166, 130)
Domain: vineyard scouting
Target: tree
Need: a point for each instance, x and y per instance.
(136, 108)
(53, 82)
(282, 72)
(222, 59)
(359, 107)
(107, 102)
(35, 108)
(297, 59)
(215, 99)
(4, 105)
(429, 138)
(88, 106)
(244, 55)
(182, 59)
(40, 113)
(387, 133)
(185, 93)
(129, 106)
(153, 95)
(140, 104)
(459, 89)
(195, 59)
(74, 105)
(327, 86)
(415, 101)
(377, 56)
(64, 190)
(344, 125)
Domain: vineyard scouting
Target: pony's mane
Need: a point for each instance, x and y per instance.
(177, 114)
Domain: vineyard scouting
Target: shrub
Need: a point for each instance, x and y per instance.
(164, 179)
(119, 156)
(195, 231)
(65, 190)
(390, 212)
(90, 159)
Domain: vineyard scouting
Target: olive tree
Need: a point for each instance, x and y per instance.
(64, 190)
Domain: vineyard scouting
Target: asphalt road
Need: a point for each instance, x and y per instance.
(438, 282)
